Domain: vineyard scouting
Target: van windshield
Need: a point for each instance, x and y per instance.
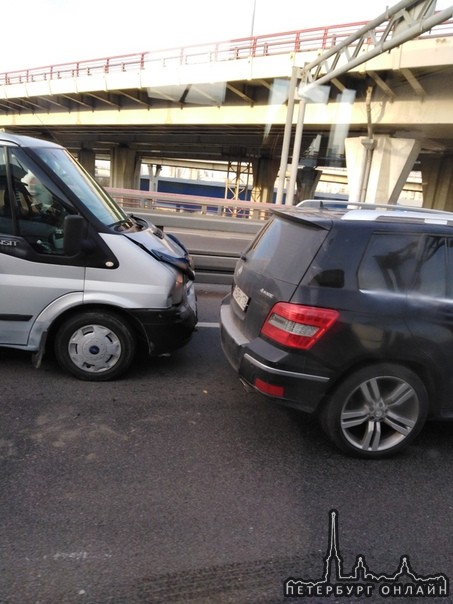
(98, 202)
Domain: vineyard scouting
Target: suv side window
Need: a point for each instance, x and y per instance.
(430, 277)
(401, 263)
(389, 262)
(449, 246)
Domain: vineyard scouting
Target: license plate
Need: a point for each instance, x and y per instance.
(241, 298)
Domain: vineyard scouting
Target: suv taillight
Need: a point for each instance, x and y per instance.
(297, 326)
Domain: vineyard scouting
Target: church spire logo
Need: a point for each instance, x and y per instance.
(361, 582)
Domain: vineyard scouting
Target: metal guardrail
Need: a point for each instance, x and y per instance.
(133, 199)
(193, 214)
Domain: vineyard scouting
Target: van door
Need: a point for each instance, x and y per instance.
(34, 271)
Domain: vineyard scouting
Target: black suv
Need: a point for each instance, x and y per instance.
(348, 314)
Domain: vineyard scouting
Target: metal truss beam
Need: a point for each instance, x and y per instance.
(406, 20)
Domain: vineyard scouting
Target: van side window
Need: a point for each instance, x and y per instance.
(6, 220)
(36, 212)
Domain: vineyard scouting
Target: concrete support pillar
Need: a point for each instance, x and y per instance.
(264, 176)
(306, 181)
(153, 173)
(378, 168)
(437, 178)
(87, 158)
(125, 168)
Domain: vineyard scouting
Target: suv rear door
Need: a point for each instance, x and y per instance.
(272, 267)
(430, 313)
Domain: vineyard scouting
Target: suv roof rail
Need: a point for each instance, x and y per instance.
(328, 204)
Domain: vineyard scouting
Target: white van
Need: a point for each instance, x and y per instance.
(78, 273)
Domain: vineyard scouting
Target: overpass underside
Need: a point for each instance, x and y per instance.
(384, 118)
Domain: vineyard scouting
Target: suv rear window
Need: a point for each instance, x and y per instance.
(285, 249)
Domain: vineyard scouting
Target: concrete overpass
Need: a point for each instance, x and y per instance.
(226, 101)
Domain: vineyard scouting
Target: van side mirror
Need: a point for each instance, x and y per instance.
(73, 231)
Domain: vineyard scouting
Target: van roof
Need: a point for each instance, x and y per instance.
(25, 141)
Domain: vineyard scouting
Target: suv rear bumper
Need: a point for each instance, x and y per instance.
(259, 360)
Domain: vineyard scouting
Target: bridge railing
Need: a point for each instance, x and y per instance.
(318, 38)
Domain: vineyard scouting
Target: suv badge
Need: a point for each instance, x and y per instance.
(267, 294)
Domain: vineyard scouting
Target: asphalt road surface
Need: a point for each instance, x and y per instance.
(175, 485)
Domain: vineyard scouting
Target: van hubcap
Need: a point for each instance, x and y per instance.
(94, 348)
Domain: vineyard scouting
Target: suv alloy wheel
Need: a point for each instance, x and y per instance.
(376, 411)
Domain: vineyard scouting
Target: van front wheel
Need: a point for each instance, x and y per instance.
(95, 346)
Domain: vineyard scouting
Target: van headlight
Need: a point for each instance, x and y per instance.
(176, 294)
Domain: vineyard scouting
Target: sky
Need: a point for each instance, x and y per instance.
(38, 33)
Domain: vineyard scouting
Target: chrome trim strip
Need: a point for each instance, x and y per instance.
(282, 372)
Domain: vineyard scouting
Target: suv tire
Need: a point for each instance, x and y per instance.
(95, 346)
(376, 411)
